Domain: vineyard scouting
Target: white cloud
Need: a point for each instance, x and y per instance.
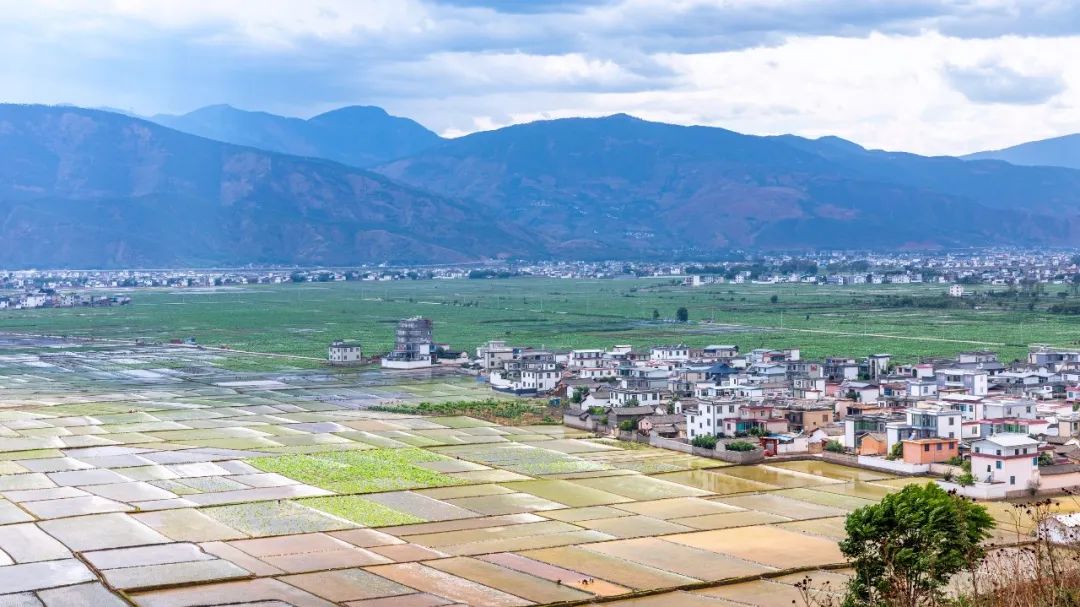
(932, 76)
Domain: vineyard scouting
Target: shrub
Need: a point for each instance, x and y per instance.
(704, 441)
(834, 446)
(627, 425)
(965, 480)
(740, 445)
(896, 452)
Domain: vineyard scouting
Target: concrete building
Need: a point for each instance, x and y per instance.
(344, 353)
(1010, 458)
(413, 345)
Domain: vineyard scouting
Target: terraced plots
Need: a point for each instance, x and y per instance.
(184, 485)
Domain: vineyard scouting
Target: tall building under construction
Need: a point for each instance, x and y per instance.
(413, 345)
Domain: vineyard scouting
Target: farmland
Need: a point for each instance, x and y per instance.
(299, 320)
(126, 482)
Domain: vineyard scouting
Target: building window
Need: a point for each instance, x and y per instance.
(1012, 480)
(997, 465)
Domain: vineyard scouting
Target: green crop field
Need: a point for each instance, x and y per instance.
(301, 319)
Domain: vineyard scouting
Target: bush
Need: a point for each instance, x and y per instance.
(740, 445)
(704, 441)
(834, 446)
(965, 480)
(896, 452)
(955, 461)
(627, 425)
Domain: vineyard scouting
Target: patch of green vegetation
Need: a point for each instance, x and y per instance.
(740, 445)
(359, 471)
(274, 518)
(360, 510)
(502, 410)
(704, 441)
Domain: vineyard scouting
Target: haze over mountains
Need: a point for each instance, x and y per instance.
(1058, 151)
(359, 136)
(90, 188)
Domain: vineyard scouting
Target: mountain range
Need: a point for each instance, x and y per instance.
(359, 136)
(81, 187)
(1058, 151)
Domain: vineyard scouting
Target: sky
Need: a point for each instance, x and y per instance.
(925, 76)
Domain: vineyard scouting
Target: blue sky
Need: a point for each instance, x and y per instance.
(929, 76)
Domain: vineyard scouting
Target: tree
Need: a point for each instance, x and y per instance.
(682, 315)
(655, 314)
(834, 446)
(906, 548)
(773, 299)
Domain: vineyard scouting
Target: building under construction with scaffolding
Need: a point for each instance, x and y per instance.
(414, 345)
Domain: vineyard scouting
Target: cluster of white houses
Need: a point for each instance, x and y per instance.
(1016, 425)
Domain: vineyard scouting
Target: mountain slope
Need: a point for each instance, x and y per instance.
(638, 186)
(86, 188)
(1057, 152)
(358, 136)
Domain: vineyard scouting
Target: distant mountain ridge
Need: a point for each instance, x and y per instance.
(621, 183)
(1058, 151)
(359, 136)
(86, 188)
(89, 188)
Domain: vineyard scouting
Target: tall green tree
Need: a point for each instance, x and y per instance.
(906, 548)
(682, 315)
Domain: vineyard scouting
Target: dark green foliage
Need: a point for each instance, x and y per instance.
(740, 445)
(704, 441)
(834, 446)
(906, 548)
(682, 315)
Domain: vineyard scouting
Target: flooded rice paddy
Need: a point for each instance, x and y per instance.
(154, 477)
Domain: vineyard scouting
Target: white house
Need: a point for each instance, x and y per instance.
(1009, 458)
(971, 381)
(344, 353)
(679, 353)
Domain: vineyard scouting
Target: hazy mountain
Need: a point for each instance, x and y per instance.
(1058, 152)
(87, 188)
(619, 185)
(357, 135)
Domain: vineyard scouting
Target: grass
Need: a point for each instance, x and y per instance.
(359, 471)
(361, 511)
(301, 319)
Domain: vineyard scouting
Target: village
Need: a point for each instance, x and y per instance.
(988, 429)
